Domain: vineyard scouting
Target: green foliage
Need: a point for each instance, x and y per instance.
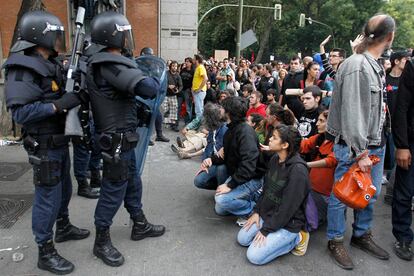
(346, 18)
(403, 13)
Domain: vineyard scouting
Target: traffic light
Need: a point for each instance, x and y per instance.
(302, 19)
(278, 12)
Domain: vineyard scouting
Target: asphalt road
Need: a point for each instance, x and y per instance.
(197, 241)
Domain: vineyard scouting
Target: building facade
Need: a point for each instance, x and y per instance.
(178, 29)
(167, 26)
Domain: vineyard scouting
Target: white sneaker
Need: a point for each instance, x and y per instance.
(241, 221)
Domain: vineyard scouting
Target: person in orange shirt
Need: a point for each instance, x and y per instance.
(322, 166)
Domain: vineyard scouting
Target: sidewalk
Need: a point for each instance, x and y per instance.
(197, 241)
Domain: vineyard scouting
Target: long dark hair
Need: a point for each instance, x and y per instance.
(314, 153)
(308, 67)
(285, 116)
(290, 135)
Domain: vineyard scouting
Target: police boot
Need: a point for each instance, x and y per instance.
(104, 249)
(65, 231)
(85, 190)
(143, 229)
(51, 261)
(96, 180)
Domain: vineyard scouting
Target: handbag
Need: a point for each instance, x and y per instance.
(355, 188)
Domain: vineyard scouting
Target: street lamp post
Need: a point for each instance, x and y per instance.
(302, 19)
(277, 8)
(239, 31)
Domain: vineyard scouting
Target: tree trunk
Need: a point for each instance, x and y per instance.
(264, 40)
(5, 118)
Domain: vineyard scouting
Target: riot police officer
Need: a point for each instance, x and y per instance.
(35, 95)
(113, 81)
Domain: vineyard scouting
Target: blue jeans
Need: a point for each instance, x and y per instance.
(278, 243)
(401, 203)
(241, 200)
(336, 209)
(216, 176)
(114, 192)
(391, 154)
(51, 202)
(199, 103)
(188, 105)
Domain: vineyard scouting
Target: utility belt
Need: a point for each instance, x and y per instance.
(112, 145)
(45, 172)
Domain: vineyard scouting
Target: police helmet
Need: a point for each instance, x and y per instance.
(147, 51)
(40, 28)
(112, 29)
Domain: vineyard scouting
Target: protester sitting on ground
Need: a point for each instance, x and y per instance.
(256, 105)
(192, 145)
(211, 94)
(322, 166)
(307, 111)
(215, 124)
(272, 96)
(276, 115)
(258, 123)
(276, 226)
(205, 142)
(241, 152)
(222, 95)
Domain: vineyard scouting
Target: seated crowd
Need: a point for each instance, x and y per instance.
(265, 150)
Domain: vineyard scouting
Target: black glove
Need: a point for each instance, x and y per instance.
(66, 102)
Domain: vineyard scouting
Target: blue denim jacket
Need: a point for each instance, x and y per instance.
(214, 141)
(357, 111)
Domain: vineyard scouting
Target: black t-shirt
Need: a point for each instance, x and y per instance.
(265, 84)
(307, 123)
(187, 78)
(392, 88)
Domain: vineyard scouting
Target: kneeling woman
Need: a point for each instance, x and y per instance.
(322, 166)
(275, 227)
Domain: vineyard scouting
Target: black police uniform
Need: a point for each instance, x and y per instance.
(113, 81)
(35, 96)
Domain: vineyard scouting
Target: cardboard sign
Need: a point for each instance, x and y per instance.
(219, 55)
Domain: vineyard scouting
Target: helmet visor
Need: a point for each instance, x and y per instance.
(59, 45)
(128, 39)
(57, 34)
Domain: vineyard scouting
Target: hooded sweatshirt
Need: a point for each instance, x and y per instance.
(282, 203)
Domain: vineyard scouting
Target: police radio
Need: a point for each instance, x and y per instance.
(73, 125)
